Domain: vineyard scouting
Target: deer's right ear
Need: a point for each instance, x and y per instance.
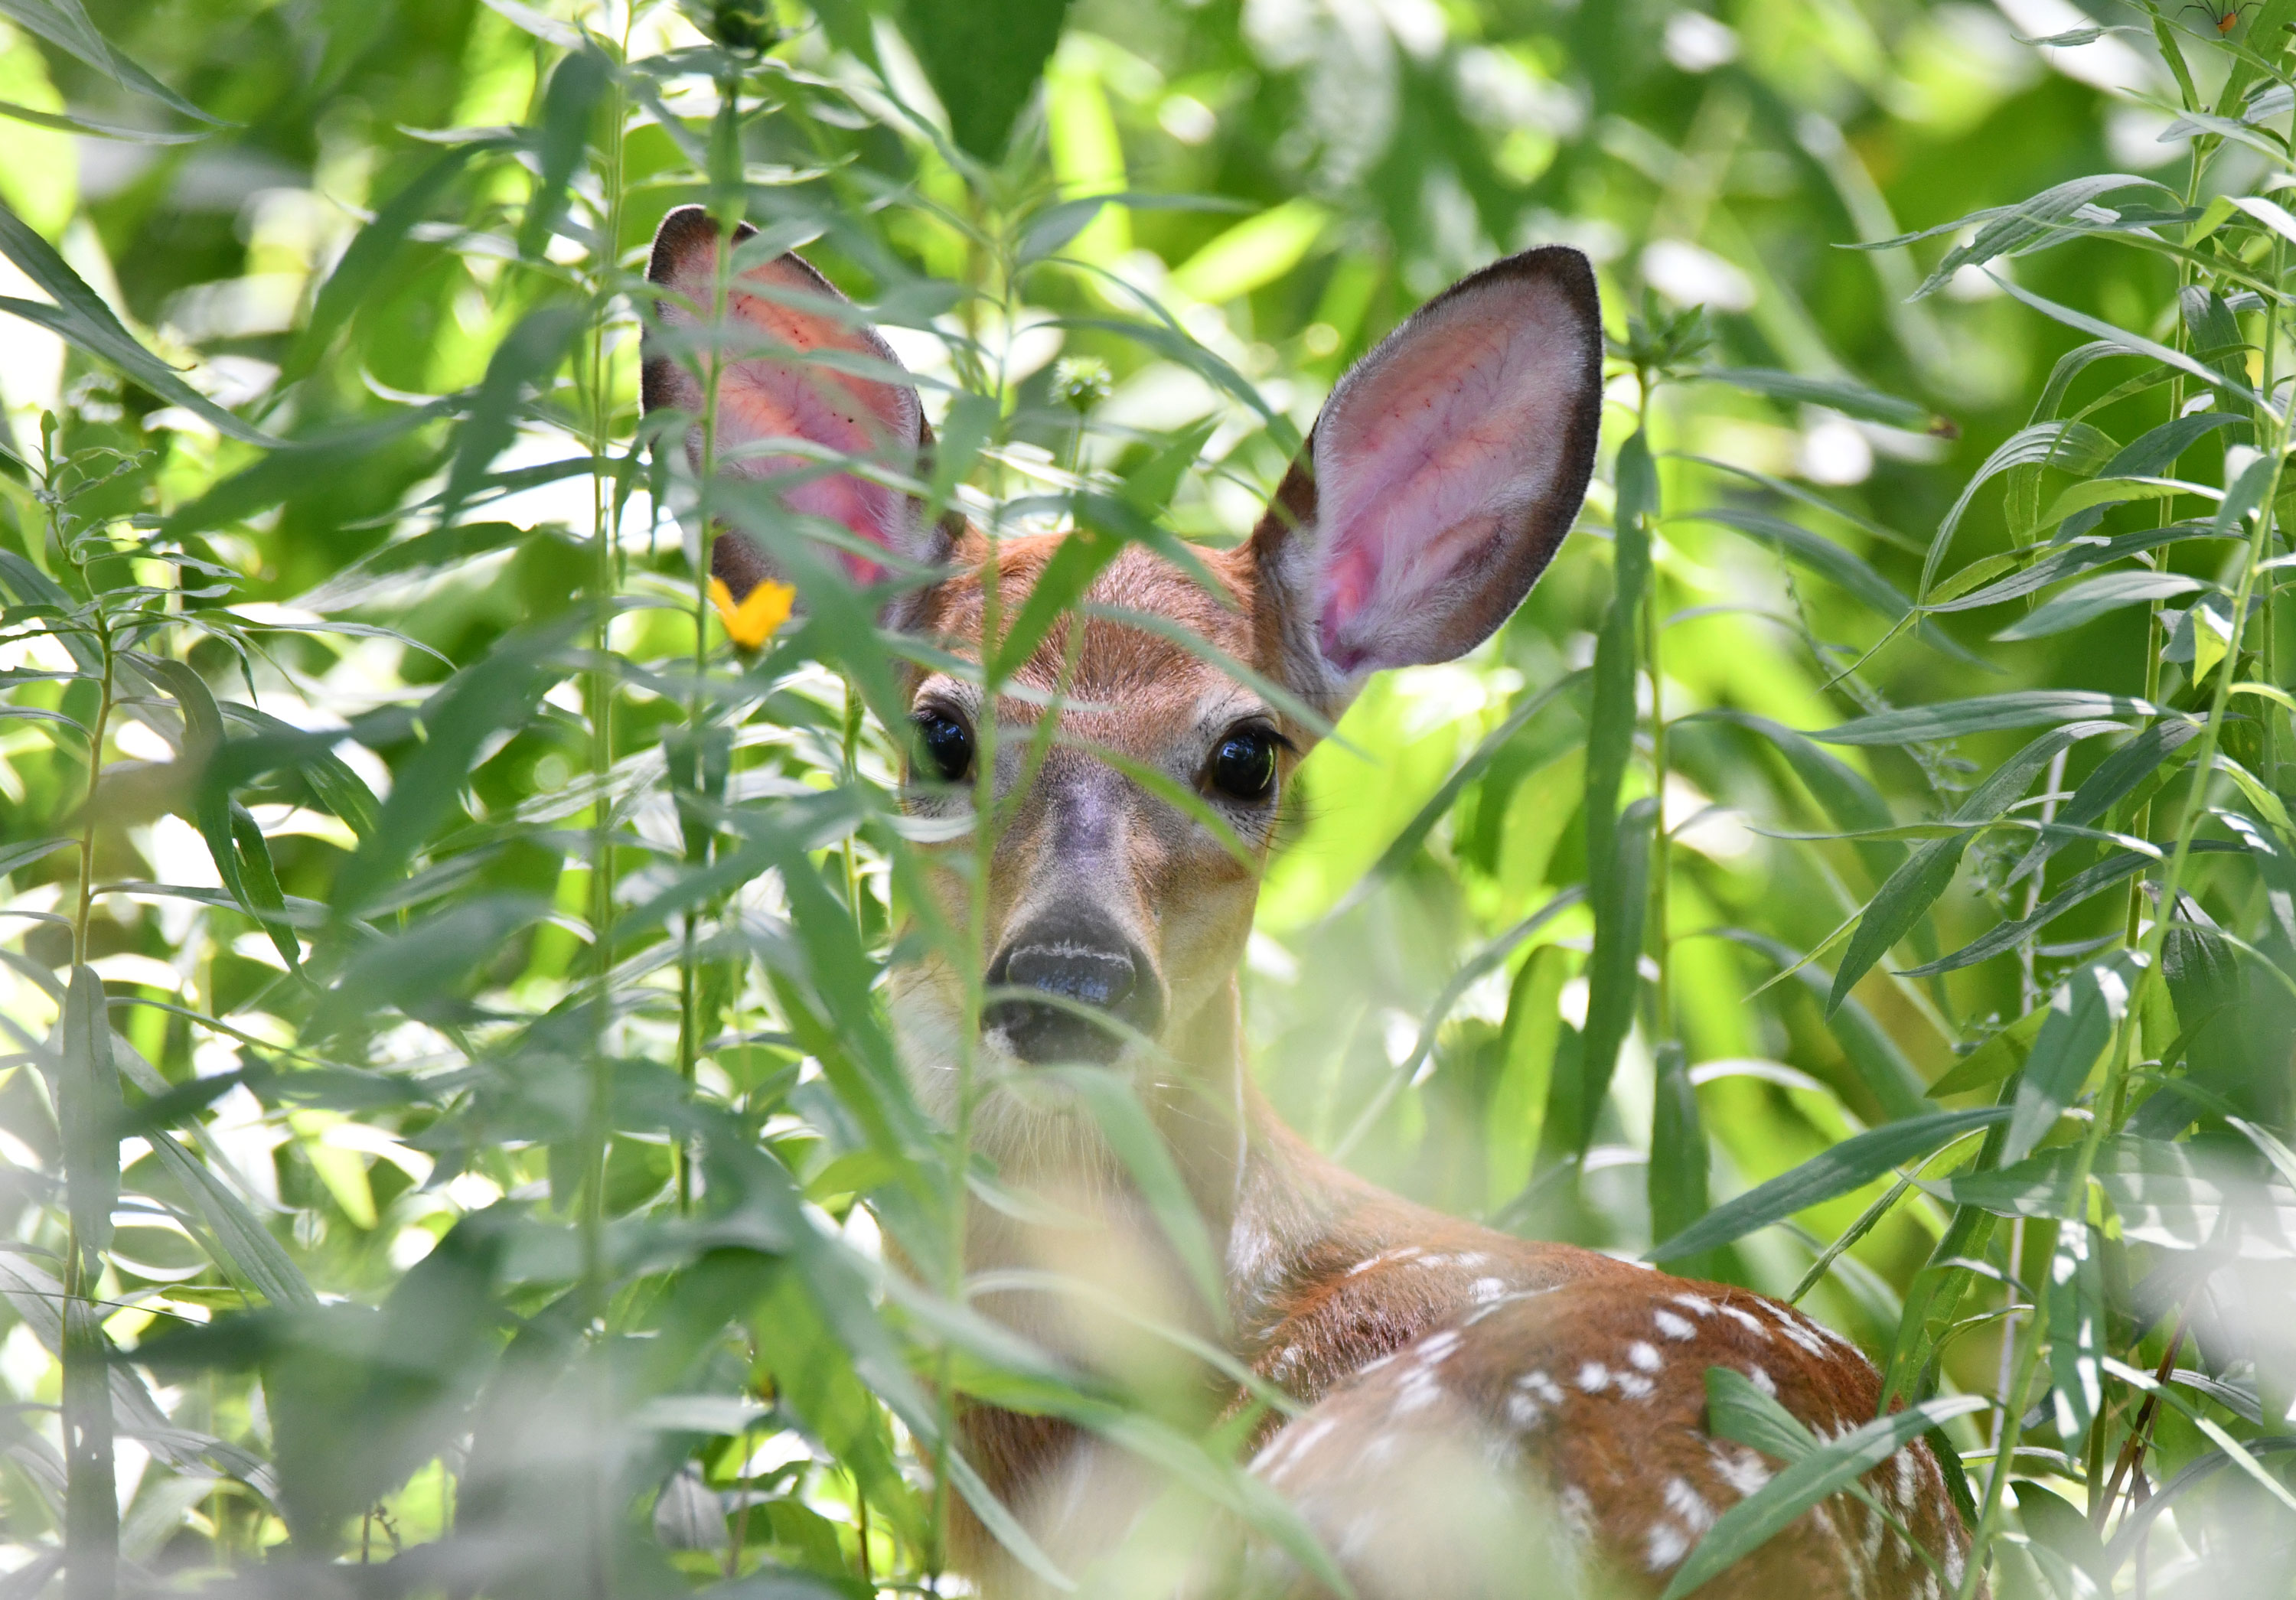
(1441, 477)
(781, 315)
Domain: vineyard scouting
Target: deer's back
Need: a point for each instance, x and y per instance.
(1491, 1417)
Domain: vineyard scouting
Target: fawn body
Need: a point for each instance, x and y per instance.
(1482, 1415)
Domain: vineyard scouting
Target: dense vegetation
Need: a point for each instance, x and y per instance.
(448, 1123)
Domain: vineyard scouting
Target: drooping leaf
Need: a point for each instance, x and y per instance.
(984, 62)
(1849, 1165)
(80, 316)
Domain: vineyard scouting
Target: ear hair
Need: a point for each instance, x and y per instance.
(764, 395)
(1441, 477)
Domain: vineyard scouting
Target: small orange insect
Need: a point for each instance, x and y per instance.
(2225, 20)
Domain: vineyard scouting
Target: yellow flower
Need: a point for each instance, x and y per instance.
(762, 611)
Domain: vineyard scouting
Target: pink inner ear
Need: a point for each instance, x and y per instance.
(760, 398)
(1435, 450)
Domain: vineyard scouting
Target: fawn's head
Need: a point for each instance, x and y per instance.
(1440, 479)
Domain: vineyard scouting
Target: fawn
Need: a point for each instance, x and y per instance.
(1482, 1414)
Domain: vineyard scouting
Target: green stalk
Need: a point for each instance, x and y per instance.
(91, 1491)
(599, 693)
(1661, 847)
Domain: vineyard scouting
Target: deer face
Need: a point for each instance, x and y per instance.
(1439, 480)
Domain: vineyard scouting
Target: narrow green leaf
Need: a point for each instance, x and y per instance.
(89, 1109)
(95, 128)
(525, 359)
(568, 108)
(80, 316)
(2086, 602)
(65, 24)
(1849, 1165)
(2082, 887)
(1852, 400)
(1614, 969)
(501, 691)
(258, 1257)
(2083, 1012)
(1676, 1179)
(1140, 1145)
(1896, 907)
(1404, 845)
(1825, 1471)
(1984, 714)
(371, 250)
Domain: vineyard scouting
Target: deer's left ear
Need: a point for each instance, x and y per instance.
(1442, 475)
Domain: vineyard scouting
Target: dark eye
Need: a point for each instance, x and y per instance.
(1244, 766)
(945, 742)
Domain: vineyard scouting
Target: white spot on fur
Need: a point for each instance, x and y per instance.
(1803, 1334)
(1436, 1346)
(1634, 1385)
(1594, 1377)
(1666, 1546)
(1745, 1319)
(1738, 1467)
(1524, 1412)
(1645, 1355)
(1384, 1257)
(1416, 1393)
(1488, 1288)
(1673, 1327)
(1577, 1511)
(1956, 1562)
(1538, 1383)
(1696, 1304)
(1763, 1381)
(1687, 1503)
(1909, 1479)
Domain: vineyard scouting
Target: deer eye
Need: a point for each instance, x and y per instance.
(946, 741)
(1244, 766)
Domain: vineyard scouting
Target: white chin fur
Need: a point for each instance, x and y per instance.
(1021, 1122)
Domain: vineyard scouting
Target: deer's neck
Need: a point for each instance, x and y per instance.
(1281, 1218)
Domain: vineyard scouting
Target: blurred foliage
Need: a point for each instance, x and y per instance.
(482, 1173)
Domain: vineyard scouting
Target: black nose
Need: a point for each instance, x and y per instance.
(1089, 965)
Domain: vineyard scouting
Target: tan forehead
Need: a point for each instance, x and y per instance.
(1134, 667)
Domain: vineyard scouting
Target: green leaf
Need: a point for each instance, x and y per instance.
(1824, 1472)
(1405, 844)
(2083, 1012)
(1849, 1165)
(2047, 218)
(2083, 886)
(1873, 1055)
(370, 252)
(2086, 602)
(1984, 714)
(1900, 903)
(65, 24)
(2162, 1197)
(1614, 969)
(23, 854)
(984, 61)
(500, 690)
(1140, 1145)
(1677, 1178)
(1852, 400)
(80, 316)
(568, 108)
(90, 126)
(2071, 446)
(525, 359)
(2075, 1290)
(258, 1257)
(89, 1110)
